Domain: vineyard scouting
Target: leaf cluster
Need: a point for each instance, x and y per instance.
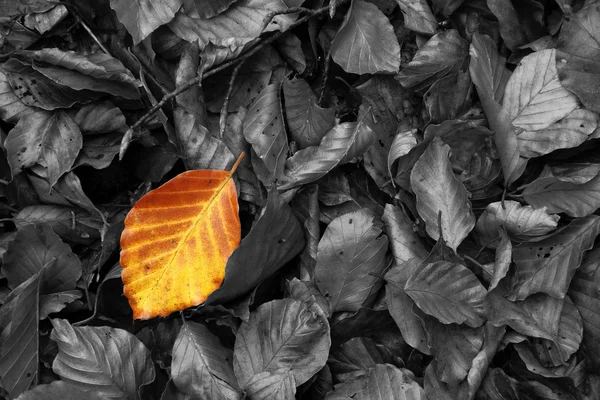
(418, 202)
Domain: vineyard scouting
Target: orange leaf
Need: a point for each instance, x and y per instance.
(177, 240)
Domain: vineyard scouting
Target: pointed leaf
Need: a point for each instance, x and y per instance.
(100, 117)
(418, 16)
(58, 390)
(37, 247)
(273, 241)
(200, 150)
(534, 97)
(340, 144)
(351, 255)
(142, 17)
(48, 138)
(578, 55)
(487, 67)
(366, 42)
(520, 222)
(570, 131)
(107, 361)
(177, 240)
(405, 243)
(438, 190)
(441, 54)
(308, 122)
(548, 265)
(201, 365)
(264, 129)
(448, 291)
(574, 199)
(241, 23)
(285, 339)
(19, 342)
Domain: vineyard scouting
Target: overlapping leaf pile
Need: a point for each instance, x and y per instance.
(418, 203)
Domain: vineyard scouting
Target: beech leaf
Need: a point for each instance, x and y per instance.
(350, 255)
(443, 53)
(548, 265)
(142, 17)
(51, 139)
(264, 129)
(308, 122)
(285, 342)
(574, 199)
(340, 144)
(520, 222)
(578, 55)
(534, 97)
(438, 190)
(107, 361)
(201, 365)
(418, 16)
(366, 43)
(448, 291)
(171, 266)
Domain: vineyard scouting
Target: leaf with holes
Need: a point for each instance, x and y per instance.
(548, 265)
(264, 129)
(177, 240)
(51, 139)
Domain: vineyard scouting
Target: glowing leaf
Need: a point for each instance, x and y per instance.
(177, 240)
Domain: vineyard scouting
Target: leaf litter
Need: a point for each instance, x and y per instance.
(414, 214)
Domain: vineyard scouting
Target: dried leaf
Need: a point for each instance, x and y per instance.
(534, 98)
(201, 365)
(438, 190)
(418, 16)
(264, 129)
(51, 139)
(171, 266)
(487, 67)
(58, 390)
(520, 222)
(510, 26)
(339, 145)
(285, 342)
(578, 55)
(366, 43)
(142, 17)
(574, 199)
(107, 361)
(350, 256)
(308, 122)
(448, 291)
(548, 265)
(442, 54)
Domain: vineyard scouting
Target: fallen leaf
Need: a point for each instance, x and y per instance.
(170, 266)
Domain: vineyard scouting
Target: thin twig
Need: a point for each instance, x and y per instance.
(223, 115)
(253, 50)
(325, 75)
